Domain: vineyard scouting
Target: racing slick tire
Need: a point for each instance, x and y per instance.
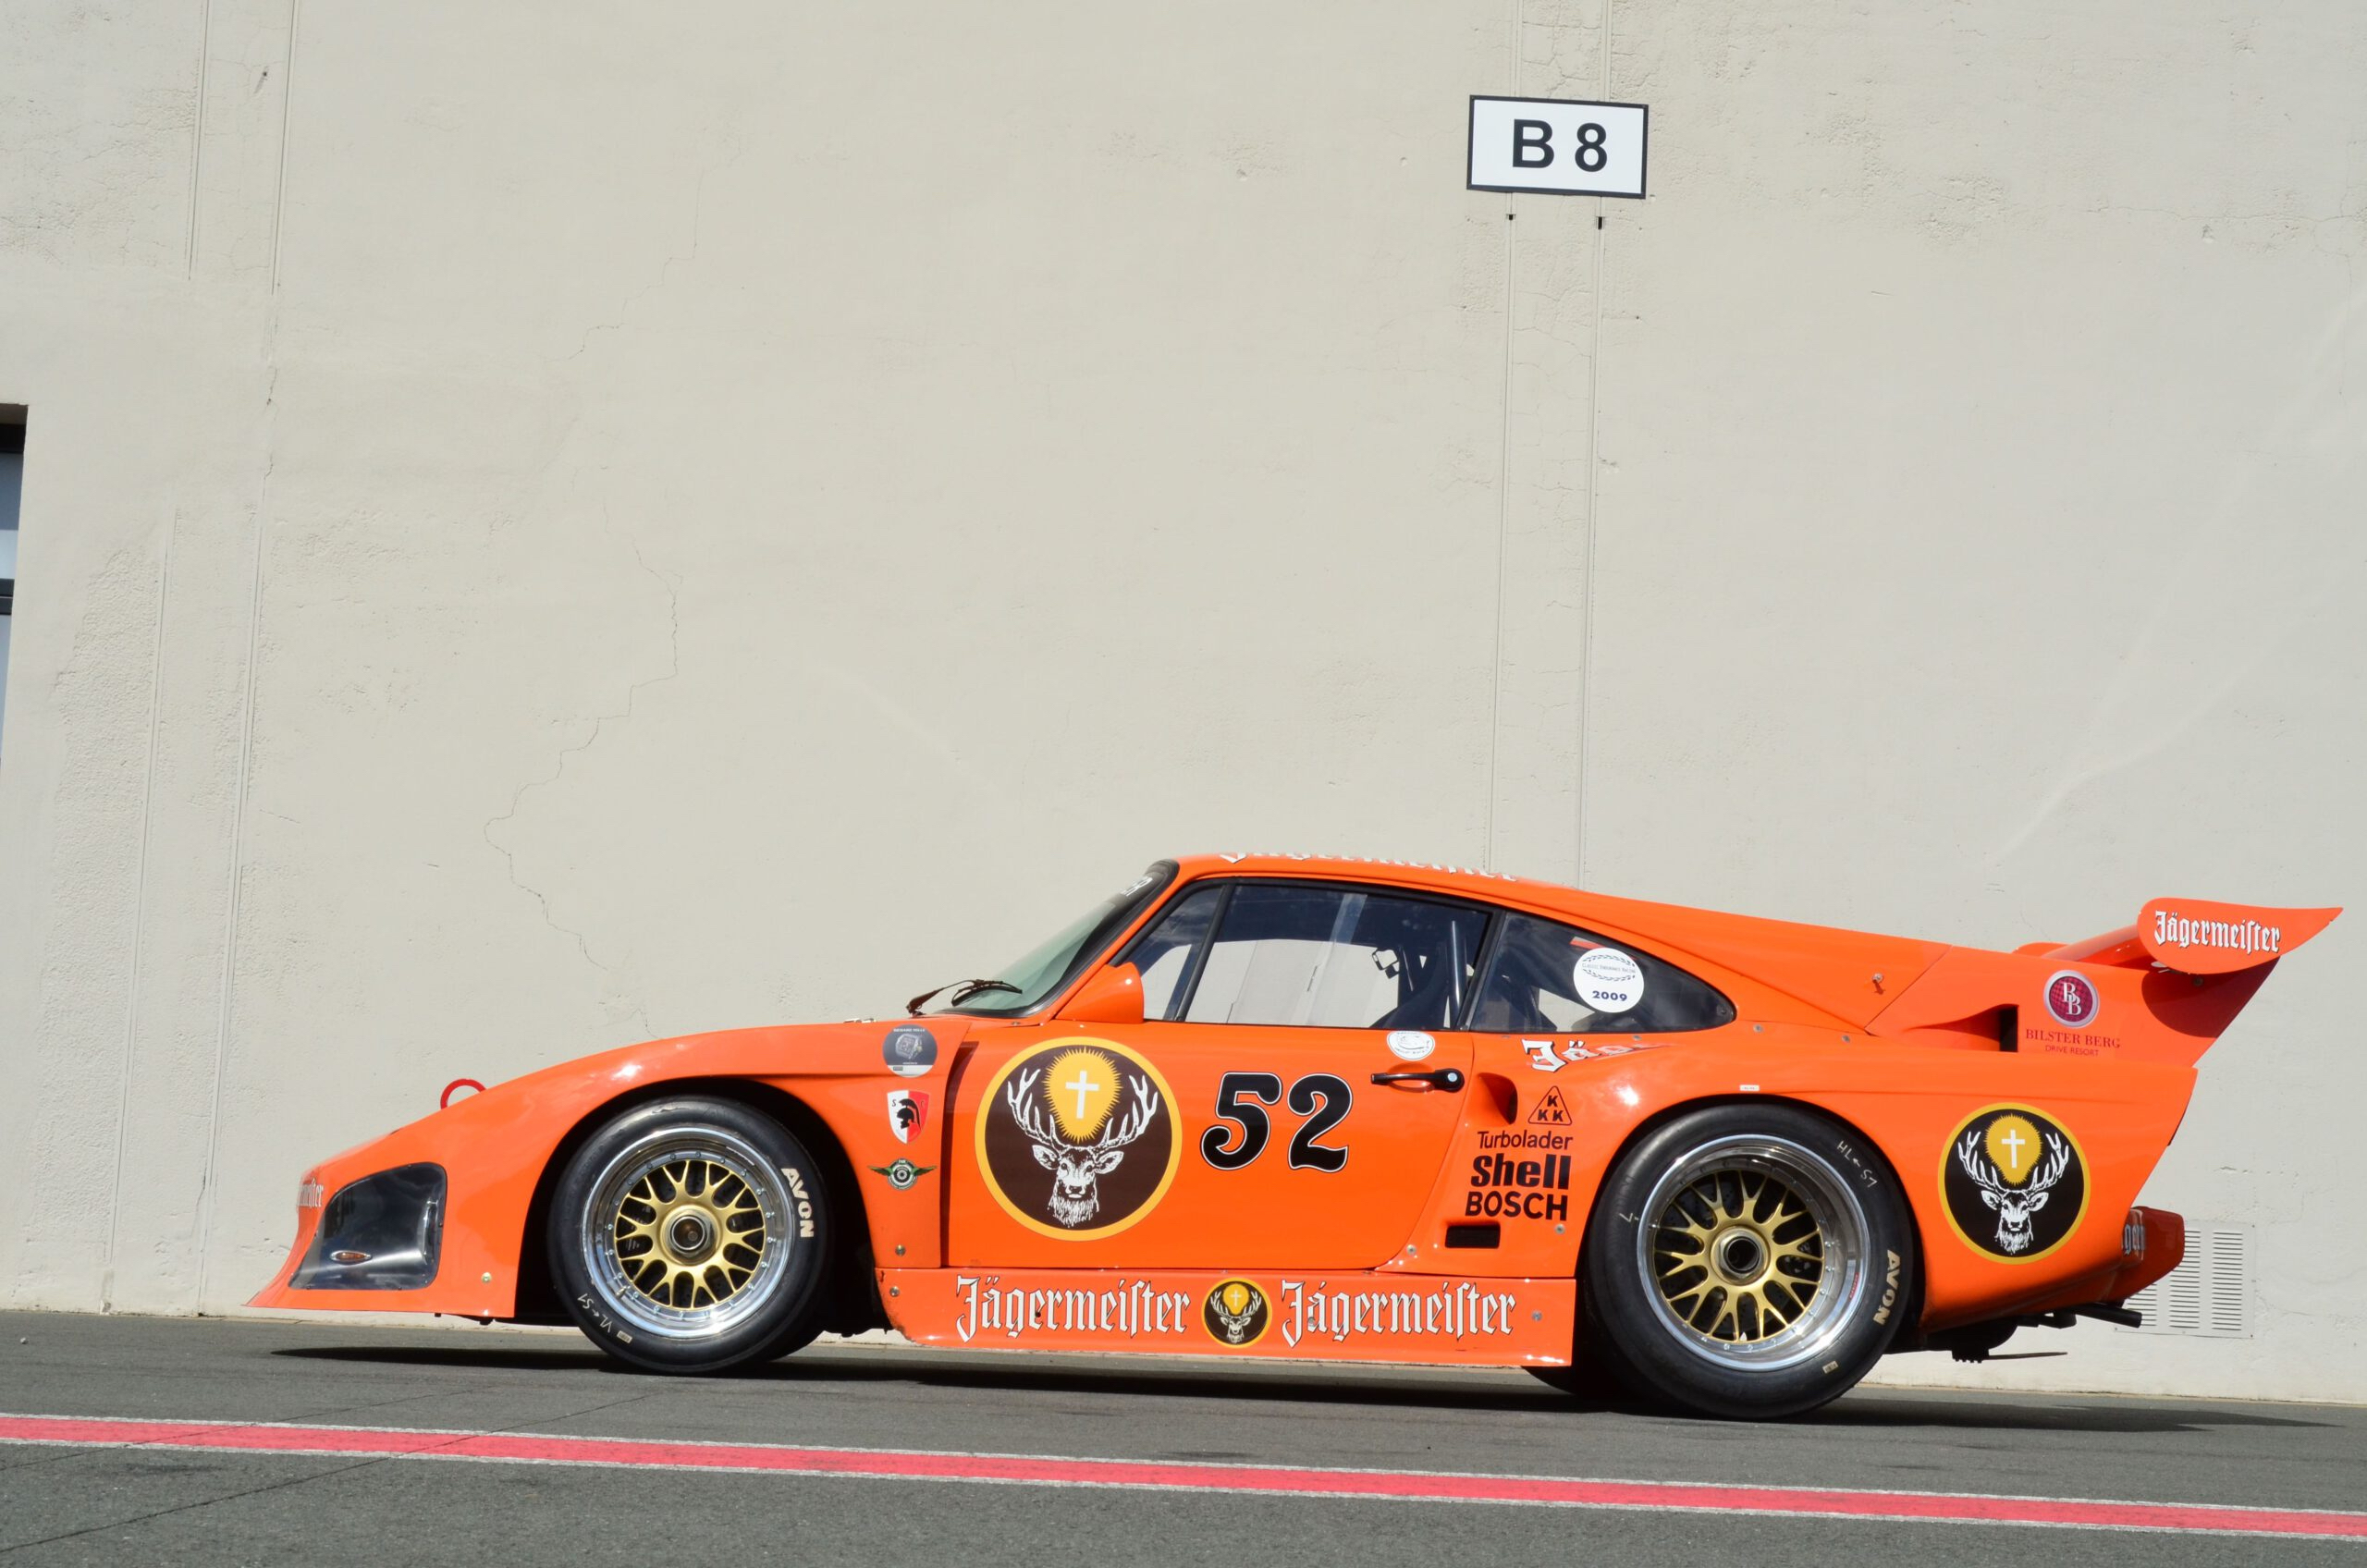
(1748, 1261)
(691, 1234)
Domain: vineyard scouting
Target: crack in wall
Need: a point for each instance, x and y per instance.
(599, 723)
(665, 267)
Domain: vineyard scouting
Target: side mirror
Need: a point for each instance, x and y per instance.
(1113, 995)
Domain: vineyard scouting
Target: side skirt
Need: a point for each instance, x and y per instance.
(1433, 1319)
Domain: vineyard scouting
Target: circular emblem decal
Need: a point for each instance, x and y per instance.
(2015, 1182)
(909, 1050)
(1235, 1313)
(2071, 998)
(1076, 1138)
(1609, 981)
(1410, 1045)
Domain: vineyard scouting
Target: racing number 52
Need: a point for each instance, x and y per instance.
(1242, 1121)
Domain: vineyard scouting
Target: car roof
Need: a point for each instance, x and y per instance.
(1430, 877)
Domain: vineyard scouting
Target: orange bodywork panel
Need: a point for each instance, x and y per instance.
(1406, 1195)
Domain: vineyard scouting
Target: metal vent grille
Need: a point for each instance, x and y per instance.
(2208, 1293)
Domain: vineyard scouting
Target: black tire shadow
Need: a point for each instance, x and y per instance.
(1002, 1372)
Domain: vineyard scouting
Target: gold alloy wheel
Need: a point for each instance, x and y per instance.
(1738, 1255)
(689, 1233)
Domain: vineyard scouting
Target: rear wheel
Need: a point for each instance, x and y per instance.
(690, 1235)
(1748, 1260)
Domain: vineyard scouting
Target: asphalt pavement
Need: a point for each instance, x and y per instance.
(297, 1429)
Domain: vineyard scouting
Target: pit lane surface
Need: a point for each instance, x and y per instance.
(304, 1443)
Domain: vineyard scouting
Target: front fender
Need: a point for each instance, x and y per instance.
(493, 1147)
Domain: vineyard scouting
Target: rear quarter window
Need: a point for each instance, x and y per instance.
(1550, 978)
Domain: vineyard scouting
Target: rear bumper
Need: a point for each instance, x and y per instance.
(2153, 1242)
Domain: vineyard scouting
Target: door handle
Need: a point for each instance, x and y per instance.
(1443, 1078)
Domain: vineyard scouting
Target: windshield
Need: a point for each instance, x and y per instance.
(1049, 966)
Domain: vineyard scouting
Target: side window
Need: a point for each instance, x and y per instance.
(1336, 957)
(1556, 979)
(1163, 954)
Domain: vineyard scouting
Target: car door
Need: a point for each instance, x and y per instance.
(1241, 1124)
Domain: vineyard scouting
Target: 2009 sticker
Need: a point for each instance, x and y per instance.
(1608, 980)
(2015, 1182)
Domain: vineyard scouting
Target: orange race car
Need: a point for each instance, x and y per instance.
(1333, 1109)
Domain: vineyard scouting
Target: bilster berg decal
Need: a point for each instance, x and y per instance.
(2071, 998)
(1077, 1137)
(2015, 1182)
(1236, 1313)
(909, 1050)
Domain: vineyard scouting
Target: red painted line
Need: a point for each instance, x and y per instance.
(500, 1448)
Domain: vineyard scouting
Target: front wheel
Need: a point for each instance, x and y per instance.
(690, 1234)
(1748, 1261)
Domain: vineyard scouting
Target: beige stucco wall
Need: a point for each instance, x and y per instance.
(544, 527)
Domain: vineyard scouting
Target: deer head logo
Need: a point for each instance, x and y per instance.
(2014, 1205)
(1080, 1146)
(1235, 1313)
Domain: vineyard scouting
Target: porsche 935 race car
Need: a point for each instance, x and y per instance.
(1333, 1109)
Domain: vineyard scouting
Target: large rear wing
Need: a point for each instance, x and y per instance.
(2195, 937)
(2160, 990)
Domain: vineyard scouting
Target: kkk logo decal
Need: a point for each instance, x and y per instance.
(1076, 1138)
(2015, 1181)
(1551, 1110)
(907, 1113)
(1235, 1313)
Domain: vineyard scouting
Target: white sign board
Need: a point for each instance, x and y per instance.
(1557, 147)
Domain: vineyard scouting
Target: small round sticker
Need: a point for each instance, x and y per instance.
(1609, 981)
(1235, 1313)
(909, 1050)
(1410, 1045)
(2071, 998)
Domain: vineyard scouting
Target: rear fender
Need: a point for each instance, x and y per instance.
(1910, 1102)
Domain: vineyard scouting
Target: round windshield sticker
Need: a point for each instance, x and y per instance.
(2071, 998)
(1076, 1138)
(2015, 1182)
(1609, 981)
(1235, 1313)
(909, 1050)
(1410, 1045)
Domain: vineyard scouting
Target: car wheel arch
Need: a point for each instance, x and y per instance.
(854, 1289)
(1644, 1127)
